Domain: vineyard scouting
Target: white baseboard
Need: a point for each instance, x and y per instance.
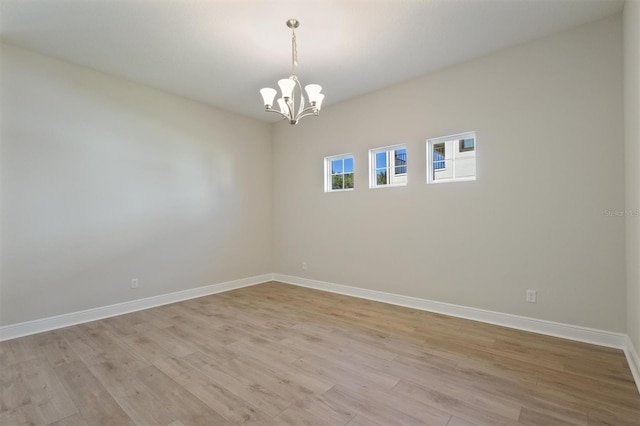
(45, 324)
(566, 331)
(633, 360)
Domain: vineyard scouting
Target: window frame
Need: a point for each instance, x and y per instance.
(373, 181)
(328, 175)
(443, 139)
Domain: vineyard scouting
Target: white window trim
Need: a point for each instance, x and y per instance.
(372, 166)
(441, 139)
(328, 182)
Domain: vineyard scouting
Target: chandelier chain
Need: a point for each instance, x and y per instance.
(294, 52)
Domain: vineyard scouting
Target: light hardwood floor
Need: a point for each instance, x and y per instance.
(275, 354)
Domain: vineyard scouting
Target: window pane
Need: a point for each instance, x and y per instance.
(400, 159)
(381, 160)
(381, 177)
(337, 182)
(438, 156)
(348, 180)
(336, 166)
(348, 165)
(466, 165)
(467, 145)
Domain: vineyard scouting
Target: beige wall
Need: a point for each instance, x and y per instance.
(632, 163)
(104, 180)
(548, 117)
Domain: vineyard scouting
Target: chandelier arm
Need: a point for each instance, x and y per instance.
(302, 103)
(292, 108)
(284, 116)
(307, 114)
(312, 107)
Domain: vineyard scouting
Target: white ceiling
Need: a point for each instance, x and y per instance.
(222, 52)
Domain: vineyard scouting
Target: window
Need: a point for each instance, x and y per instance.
(388, 166)
(451, 158)
(338, 173)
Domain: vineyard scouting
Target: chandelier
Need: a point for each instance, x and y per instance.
(287, 102)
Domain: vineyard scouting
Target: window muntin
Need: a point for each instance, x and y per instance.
(388, 166)
(339, 170)
(451, 158)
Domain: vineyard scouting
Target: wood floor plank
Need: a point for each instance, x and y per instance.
(251, 391)
(75, 420)
(129, 392)
(312, 414)
(110, 349)
(320, 410)
(530, 417)
(152, 318)
(456, 421)
(249, 370)
(285, 370)
(522, 373)
(449, 402)
(384, 408)
(186, 406)
(172, 341)
(56, 348)
(82, 345)
(46, 391)
(26, 348)
(222, 400)
(27, 414)
(359, 420)
(156, 354)
(613, 415)
(586, 392)
(276, 354)
(486, 400)
(522, 352)
(195, 323)
(596, 369)
(145, 409)
(123, 325)
(7, 356)
(344, 371)
(13, 389)
(336, 338)
(267, 349)
(91, 398)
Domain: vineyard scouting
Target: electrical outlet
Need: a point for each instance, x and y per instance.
(532, 296)
(304, 265)
(134, 283)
